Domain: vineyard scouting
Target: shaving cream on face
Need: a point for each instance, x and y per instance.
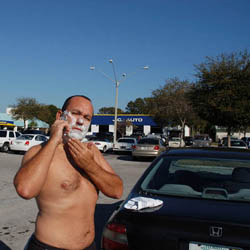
(77, 131)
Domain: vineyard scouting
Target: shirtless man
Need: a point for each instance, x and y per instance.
(65, 175)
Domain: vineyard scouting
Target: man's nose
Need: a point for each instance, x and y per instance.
(80, 121)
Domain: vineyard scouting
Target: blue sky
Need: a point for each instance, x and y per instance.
(47, 46)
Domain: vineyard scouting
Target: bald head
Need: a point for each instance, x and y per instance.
(67, 101)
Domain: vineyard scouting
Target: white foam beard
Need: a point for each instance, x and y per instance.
(74, 132)
(77, 134)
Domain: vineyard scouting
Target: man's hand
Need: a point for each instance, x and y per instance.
(58, 128)
(82, 153)
(88, 157)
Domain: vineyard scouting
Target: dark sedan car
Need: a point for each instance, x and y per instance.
(188, 140)
(188, 199)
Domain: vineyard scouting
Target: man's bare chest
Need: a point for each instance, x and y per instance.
(64, 177)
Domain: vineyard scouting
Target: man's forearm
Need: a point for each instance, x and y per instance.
(32, 175)
(108, 183)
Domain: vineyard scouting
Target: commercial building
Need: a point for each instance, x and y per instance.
(134, 123)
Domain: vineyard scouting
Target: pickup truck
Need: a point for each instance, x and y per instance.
(5, 137)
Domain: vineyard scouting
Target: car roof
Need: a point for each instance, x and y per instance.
(210, 152)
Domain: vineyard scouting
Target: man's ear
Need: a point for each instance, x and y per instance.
(59, 114)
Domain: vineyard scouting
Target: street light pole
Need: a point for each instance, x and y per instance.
(116, 101)
(117, 83)
(116, 107)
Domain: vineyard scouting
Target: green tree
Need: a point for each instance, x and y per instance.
(110, 110)
(221, 95)
(139, 106)
(25, 109)
(47, 113)
(170, 105)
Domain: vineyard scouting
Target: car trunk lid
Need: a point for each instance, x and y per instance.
(205, 222)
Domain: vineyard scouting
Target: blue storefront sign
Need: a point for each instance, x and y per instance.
(139, 120)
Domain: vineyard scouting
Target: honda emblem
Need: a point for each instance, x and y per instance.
(215, 231)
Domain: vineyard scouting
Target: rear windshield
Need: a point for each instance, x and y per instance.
(238, 143)
(149, 141)
(126, 140)
(197, 137)
(3, 133)
(26, 137)
(205, 178)
(99, 139)
(175, 139)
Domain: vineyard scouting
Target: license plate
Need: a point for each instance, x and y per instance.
(205, 246)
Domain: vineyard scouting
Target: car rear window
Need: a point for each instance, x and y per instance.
(3, 133)
(100, 139)
(149, 141)
(17, 134)
(175, 139)
(26, 137)
(238, 143)
(204, 178)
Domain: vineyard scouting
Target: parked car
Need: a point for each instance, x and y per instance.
(202, 141)
(5, 138)
(148, 147)
(107, 135)
(33, 131)
(157, 135)
(188, 140)
(103, 144)
(187, 198)
(236, 144)
(25, 142)
(124, 144)
(176, 142)
(246, 140)
(224, 140)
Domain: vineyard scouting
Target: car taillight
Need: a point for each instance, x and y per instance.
(27, 143)
(114, 237)
(133, 146)
(97, 143)
(156, 147)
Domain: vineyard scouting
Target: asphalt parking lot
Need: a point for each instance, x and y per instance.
(17, 216)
